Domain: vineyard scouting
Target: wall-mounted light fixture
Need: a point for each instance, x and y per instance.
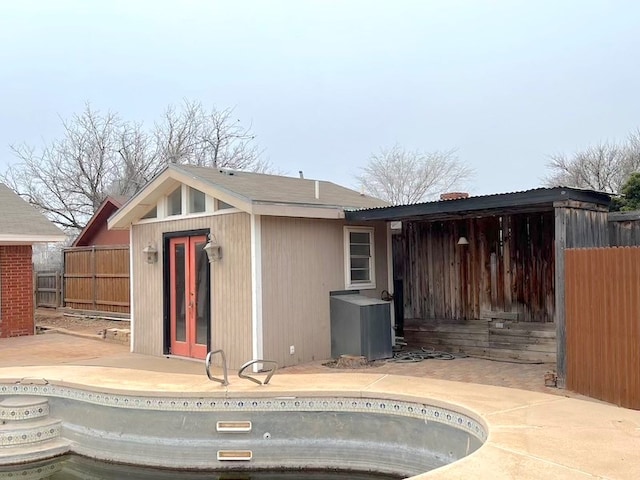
(150, 253)
(463, 241)
(213, 249)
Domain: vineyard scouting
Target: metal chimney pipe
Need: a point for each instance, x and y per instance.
(317, 189)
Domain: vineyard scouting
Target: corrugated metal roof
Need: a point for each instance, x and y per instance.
(526, 199)
(17, 217)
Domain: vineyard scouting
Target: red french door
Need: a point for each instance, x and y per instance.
(189, 293)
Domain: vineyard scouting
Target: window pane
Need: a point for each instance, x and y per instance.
(360, 250)
(196, 201)
(153, 213)
(175, 202)
(180, 292)
(359, 262)
(360, 275)
(360, 237)
(223, 205)
(202, 294)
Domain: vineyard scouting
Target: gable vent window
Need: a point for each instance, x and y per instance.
(153, 213)
(175, 202)
(359, 258)
(223, 205)
(197, 202)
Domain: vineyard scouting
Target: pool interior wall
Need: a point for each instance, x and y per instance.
(387, 436)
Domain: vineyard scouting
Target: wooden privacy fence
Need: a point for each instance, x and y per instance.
(602, 288)
(97, 278)
(47, 289)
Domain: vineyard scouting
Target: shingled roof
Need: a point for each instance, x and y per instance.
(260, 187)
(254, 193)
(22, 223)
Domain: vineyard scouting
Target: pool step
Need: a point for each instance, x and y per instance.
(27, 433)
(23, 408)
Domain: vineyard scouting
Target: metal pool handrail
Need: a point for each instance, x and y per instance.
(273, 369)
(207, 366)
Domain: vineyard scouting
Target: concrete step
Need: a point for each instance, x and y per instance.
(18, 408)
(15, 434)
(31, 453)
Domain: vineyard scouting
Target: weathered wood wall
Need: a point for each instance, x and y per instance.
(508, 266)
(472, 298)
(624, 229)
(497, 339)
(576, 225)
(602, 324)
(97, 278)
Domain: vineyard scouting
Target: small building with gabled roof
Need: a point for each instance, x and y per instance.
(96, 233)
(278, 247)
(21, 226)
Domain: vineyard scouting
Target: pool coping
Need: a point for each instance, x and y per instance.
(530, 434)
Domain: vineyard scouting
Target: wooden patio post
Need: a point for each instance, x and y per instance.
(560, 245)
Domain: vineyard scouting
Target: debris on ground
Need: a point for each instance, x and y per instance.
(54, 320)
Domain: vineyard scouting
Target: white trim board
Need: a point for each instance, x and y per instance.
(257, 345)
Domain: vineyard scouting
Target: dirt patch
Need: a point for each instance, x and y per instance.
(53, 319)
(352, 362)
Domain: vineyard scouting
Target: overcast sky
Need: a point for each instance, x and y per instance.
(325, 83)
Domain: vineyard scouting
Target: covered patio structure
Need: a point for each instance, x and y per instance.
(485, 275)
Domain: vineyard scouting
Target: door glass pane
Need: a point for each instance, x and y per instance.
(180, 307)
(202, 293)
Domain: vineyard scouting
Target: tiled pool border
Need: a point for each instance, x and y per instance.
(422, 411)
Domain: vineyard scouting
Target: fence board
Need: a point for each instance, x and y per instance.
(46, 287)
(97, 278)
(602, 324)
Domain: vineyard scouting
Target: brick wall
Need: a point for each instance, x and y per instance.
(16, 291)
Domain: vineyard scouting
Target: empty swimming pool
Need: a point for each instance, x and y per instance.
(386, 436)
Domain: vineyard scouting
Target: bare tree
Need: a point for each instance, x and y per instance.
(403, 176)
(99, 154)
(603, 167)
(69, 178)
(196, 136)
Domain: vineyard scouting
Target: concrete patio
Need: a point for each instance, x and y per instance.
(534, 431)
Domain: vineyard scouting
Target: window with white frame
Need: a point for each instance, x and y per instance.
(174, 202)
(197, 201)
(359, 258)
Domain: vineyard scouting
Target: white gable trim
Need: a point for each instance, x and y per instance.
(163, 184)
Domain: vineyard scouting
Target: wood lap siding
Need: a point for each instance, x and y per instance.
(230, 285)
(302, 262)
(602, 323)
(512, 271)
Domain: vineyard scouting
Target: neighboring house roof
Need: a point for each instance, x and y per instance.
(99, 218)
(504, 203)
(21, 223)
(250, 192)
